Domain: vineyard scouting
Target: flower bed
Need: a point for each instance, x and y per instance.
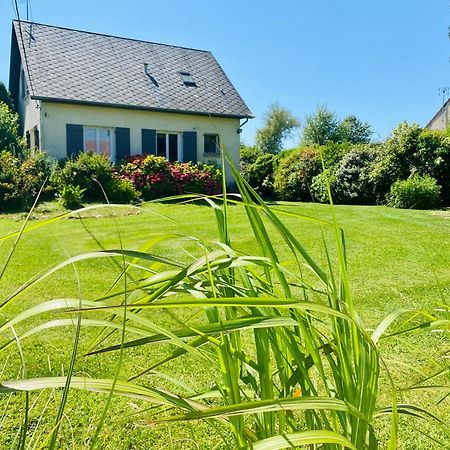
(155, 177)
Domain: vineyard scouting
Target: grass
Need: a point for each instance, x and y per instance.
(395, 259)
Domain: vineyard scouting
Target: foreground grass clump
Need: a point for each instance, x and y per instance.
(274, 350)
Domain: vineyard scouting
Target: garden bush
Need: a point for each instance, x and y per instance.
(413, 150)
(260, 173)
(22, 177)
(319, 187)
(71, 197)
(417, 192)
(352, 182)
(9, 129)
(155, 177)
(87, 170)
(295, 172)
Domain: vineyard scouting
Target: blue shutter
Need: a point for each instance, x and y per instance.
(74, 139)
(148, 142)
(190, 146)
(122, 143)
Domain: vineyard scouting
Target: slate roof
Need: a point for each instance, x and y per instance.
(83, 67)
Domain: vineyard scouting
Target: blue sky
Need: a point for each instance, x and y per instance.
(382, 61)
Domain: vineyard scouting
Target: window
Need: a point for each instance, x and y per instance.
(211, 143)
(99, 140)
(187, 79)
(168, 145)
(28, 139)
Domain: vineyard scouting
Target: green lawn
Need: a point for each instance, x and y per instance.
(396, 259)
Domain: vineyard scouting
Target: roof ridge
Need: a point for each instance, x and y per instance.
(112, 36)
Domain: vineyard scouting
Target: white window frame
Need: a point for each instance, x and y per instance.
(179, 144)
(97, 129)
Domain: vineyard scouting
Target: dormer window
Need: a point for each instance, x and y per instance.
(187, 79)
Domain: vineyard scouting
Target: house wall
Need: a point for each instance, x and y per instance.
(55, 116)
(441, 120)
(29, 112)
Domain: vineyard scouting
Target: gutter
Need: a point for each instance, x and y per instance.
(140, 108)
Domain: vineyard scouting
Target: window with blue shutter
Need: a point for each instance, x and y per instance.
(122, 143)
(190, 146)
(74, 139)
(148, 142)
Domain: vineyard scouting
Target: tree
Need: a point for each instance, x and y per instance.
(324, 127)
(321, 127)
(9, 128)
(353, 130)
(5, 96)
(279, 123)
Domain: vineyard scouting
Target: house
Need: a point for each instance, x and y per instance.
(81, 91)
(441, 119)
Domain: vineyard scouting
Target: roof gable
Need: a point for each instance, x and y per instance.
(83, 67)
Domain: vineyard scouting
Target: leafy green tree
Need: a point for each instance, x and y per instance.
(279, 123)
(324, 127)
(321, 127)
(354, 131)
(5, 96)
(9, 129)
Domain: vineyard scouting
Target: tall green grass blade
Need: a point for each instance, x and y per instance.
(304, 438)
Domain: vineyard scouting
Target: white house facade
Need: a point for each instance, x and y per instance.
(441, 119)
(80, 91)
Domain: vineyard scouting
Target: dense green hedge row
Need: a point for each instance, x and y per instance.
(411, 169)
(92, 177)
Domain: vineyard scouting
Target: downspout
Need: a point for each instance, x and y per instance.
(239, 130)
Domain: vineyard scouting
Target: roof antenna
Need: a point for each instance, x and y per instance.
(444, 91)
(148, 74)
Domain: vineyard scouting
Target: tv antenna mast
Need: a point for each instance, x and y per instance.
(444, 91)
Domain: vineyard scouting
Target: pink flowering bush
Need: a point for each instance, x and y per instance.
(155, 177)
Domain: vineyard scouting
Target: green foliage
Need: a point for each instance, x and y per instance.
(295, 172)
(71, 197)
(354, 131)
(248, 155)
(289, 359)
(279, 123)
(319, 189)
(260, 174)
(89, 171)
(121, 190)
(413, 150)
(22, 177)
(5, 97)
(156, 177)
(417, 192)
(9, 129)
(321, 127)
(352, 182)
(324, 127)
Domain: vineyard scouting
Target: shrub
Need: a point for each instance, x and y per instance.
(295, 172)
(352, 176)
(150, 175)
(121, 190)
(9, 129)
(260, 174)
(71, 197)
(417, 192)
(21, 178)
(86, 170)
(156, 177)
(189, 178)
(319, 187)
